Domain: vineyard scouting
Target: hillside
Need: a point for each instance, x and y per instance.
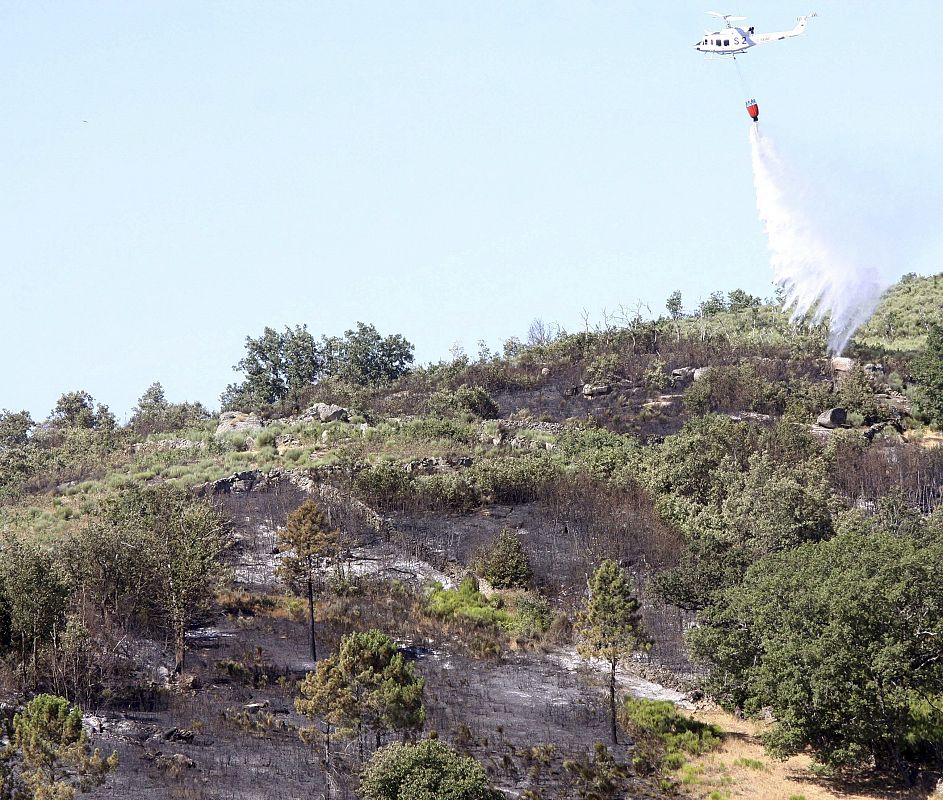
(470, 549)
(901, 320)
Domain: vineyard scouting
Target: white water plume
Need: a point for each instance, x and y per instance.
(825, 273)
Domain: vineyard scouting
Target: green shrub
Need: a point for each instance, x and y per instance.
(466, 601)
(430, 429)
(659, 725)
(515, 480)
(447, 492)
(737, 388)
(505, 564)
(531, 615)
(422, 771)
(472, 400)
(656, 376)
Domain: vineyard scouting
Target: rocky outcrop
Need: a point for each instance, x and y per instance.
(833, 418)
(230, 421)
(326, 412)
(591, 390)
(286, 442)
(751, 416)
(162, 445)
(437, 465)
(841, 364)
(895, 402)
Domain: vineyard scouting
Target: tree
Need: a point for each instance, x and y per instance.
(427, 770)
(187, 541)
(739, 300)
(278, 367)
(367, 684)
(15, 427)
(715, 304)
(36, 596)
(52, 752)
(309, 538)
(154, 414)
(676, 311)
(79, 410)
(154, 555)
(928, 370)
(505, 564)
(842, 639)
(610, 626)
(366, 358)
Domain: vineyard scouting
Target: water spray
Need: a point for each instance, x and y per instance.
(819, 279)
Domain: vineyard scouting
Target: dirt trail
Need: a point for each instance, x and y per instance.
(741, 768)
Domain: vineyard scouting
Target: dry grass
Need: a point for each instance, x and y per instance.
(741, 768)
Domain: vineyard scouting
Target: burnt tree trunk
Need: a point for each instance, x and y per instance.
(612, 700)
(314, 648)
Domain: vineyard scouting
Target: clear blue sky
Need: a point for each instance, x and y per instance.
(175, 176)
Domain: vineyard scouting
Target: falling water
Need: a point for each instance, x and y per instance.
(814, 264)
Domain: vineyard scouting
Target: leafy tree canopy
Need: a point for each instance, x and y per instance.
(428, 770)
(928, 369)
(843, 639)
(79, 410)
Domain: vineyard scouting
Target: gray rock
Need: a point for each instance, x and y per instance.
(841, 364)
(596, 389)
(238, 421)
(545, 372)
(833, 418)
(750, 416)
(327, 412)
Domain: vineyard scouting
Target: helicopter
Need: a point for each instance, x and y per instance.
(733, 40)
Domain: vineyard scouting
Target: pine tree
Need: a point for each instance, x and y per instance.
(610, 626)
(52, 751)
(368, 684)
(308, 537)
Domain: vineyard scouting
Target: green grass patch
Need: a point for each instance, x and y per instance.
(749, 763)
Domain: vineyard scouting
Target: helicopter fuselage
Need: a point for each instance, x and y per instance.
(732, 41)
(728, 42)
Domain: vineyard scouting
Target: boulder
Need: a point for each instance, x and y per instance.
(841, 364)
(287, 441)
(545, 372)
(591, 390)
(327, 412)
(176, 761)
(238, 421)
(833, 418)
(750, 416)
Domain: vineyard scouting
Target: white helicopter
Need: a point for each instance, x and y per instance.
(732, 40)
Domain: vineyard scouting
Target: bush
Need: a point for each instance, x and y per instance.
(737, 388)
(665, 733)
(431, 429)
(447, 492)
(428, 770)
(505, 564)
(515, 480)
(464, 400)
(531, 615)
(466, 601)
